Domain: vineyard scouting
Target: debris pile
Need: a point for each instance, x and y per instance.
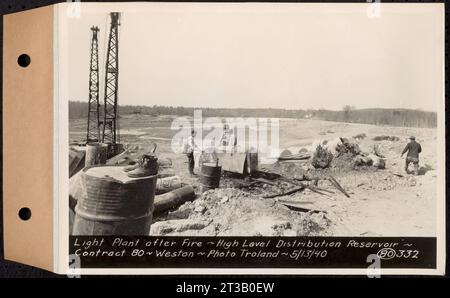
(346, 147)
(321, 158)
(230, 211)
(343, 155)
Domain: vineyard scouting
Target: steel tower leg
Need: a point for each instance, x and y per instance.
(110, 125)
(93, 126)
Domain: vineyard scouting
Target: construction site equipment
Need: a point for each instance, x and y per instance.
(233, 162)
(147, 165)
(107, 207)
(210, 176)
(167, 184)
(96, 154)
(110, 123)
(93, 125)
(173, 199)
(172, 194)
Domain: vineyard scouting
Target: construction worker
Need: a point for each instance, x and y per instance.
(413, 148)
(189, 150)
(228, 139)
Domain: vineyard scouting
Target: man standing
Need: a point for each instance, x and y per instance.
(228, 139)
(413, 148)
(189, 150)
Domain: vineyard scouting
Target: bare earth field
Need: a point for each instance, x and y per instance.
(380, 204)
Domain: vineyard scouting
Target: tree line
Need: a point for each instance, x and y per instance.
(391, 117)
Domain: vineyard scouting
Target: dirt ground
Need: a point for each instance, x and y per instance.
(381, 203)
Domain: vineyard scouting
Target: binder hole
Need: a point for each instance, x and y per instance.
(25, 213)
(24, 60)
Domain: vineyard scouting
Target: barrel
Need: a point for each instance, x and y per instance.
(210, 176)
(114, 204)
(96, 154)
(207, 156)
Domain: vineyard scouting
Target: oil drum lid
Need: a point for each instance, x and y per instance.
(113, 173)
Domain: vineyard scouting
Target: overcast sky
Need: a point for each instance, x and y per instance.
(294, 56)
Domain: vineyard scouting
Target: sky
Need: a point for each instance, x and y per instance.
(293, 56)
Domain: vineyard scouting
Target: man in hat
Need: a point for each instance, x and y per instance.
(413, 148)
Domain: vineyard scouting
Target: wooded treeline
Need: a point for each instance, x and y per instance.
(391, 117)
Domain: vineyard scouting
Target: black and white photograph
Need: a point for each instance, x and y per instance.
(254, 134)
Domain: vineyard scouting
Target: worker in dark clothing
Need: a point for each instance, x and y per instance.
(413, 148)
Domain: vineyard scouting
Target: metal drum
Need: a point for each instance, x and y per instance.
(210, 176)
(114, 206)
